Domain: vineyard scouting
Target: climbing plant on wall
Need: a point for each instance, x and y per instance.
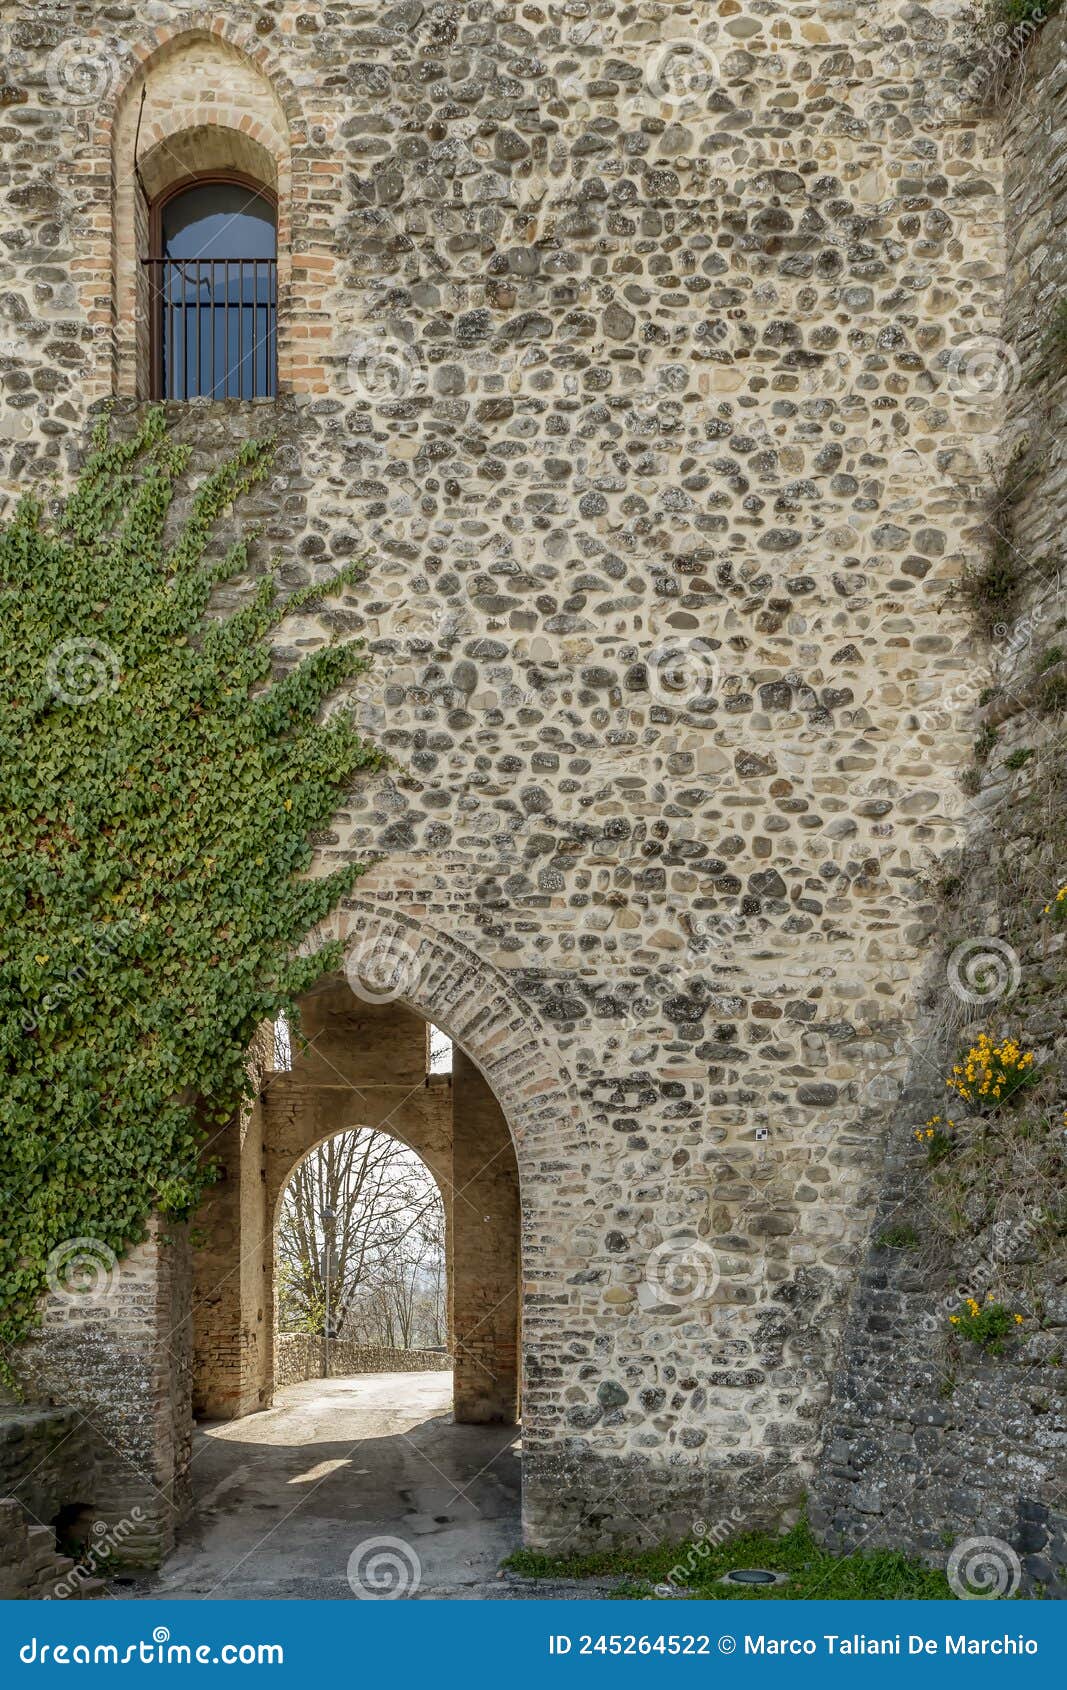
(159, 792)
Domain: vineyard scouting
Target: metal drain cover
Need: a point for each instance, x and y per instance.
(753, 1575)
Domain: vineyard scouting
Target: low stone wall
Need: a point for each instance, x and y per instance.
(929, 1450)
(300, 1355)
(31, 1567)
(45, 1461)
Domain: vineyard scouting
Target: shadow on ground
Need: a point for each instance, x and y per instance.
(284, 1500)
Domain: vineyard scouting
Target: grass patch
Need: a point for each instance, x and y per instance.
(998, 13)
(984, 743)
(898, 1238)
(990, 589)
(695, 1568)
(1052, 698)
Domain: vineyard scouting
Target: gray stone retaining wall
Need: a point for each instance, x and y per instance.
(300, 1355)
(931, 1442)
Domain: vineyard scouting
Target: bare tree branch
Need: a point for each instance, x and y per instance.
(366, 1206)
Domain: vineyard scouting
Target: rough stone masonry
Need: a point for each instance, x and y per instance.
(639, 349)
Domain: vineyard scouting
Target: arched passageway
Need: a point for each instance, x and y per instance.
(360, 1135)
(362, 1064)
(192, 1330)
(361, 1260)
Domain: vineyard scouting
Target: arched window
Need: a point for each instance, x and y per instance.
(213, 290)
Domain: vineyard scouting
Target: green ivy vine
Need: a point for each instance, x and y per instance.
(159, 793)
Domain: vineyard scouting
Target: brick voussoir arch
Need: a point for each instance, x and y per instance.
(106, 276)
(139, 57)
(475, 1004)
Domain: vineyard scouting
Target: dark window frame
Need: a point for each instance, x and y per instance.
(157, 206)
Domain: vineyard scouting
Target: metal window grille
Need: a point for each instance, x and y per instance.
(214, 327)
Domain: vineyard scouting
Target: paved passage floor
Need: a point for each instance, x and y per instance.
(283, 1499)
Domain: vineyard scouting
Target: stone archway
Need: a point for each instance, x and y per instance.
(362, 1064)
(126, 1362)
(373, 1262)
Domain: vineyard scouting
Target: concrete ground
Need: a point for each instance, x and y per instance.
(285, 1498)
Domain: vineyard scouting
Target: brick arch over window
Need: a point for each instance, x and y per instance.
(210, 83)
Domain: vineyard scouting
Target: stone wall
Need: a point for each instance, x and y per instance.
(299, 1356)
(32, 1569)
(640, 388)
(930, 1441)
(44, 1464)
(115, 1345)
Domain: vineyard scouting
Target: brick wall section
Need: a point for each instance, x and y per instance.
(299, 1356)
(485, 1259)
(232, 1322)
(122, 1359)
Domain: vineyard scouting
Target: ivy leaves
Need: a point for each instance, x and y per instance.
(158, 796)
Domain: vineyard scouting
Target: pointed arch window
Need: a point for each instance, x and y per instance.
(213, 290)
